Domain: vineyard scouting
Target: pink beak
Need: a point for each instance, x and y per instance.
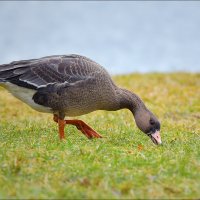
(155, 137)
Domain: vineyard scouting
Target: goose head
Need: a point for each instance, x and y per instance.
(148, 124)
(145, 120)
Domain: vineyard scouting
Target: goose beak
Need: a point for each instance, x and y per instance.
(155, 137)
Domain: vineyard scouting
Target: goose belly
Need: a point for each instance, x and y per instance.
(74, 112)
(25, 95)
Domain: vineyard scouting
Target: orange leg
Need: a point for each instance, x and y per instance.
(61, 126)
(80, 125)
(84, 128)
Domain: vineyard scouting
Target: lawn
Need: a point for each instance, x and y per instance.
(123, 164)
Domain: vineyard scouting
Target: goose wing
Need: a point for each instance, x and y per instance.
(37, 73)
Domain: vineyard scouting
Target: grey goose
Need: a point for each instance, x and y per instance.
(73, 85)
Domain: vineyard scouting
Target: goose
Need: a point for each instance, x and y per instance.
(73, 85)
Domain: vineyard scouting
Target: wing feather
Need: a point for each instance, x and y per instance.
(36, 73)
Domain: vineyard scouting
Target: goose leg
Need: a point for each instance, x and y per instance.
(80, 125)
(61, 126)
(84, 128)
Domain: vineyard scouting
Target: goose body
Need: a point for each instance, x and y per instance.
(70, 85)
(73, 85)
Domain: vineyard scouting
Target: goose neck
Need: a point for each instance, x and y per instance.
(130, 101)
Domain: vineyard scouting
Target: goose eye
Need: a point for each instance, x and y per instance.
(152, 122)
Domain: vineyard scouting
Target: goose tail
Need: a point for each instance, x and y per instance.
(2, 80)
(4, 72)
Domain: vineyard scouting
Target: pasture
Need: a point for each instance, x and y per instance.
(34, 163)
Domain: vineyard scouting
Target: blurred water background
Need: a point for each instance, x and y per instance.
(122, 36)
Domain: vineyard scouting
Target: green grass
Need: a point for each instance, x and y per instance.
(35, 164)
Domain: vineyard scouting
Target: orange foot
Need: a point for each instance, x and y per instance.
(80, 125)
(84, 128)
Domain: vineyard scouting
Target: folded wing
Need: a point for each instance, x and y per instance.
(37, 73)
